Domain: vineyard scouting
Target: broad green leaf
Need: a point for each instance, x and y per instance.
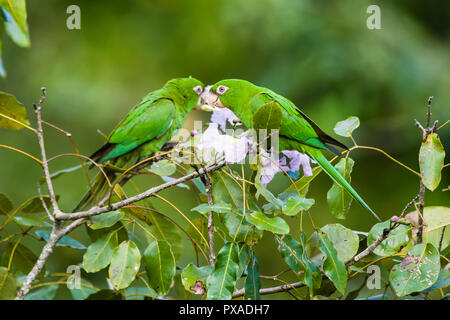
(16, 26)
(106, 295)
(268, 117)
(202, 225)
(344, 240)
(277, 203)
(339, 200)
(160, 265)
(346, 127)
(294, 254)
(261, 221)
(431, 161)
(293, 204)
(227, 190)
(43, 293)
(333, 268)
(233, 224)
(105, 220)
(204, 208)
(35, 204)
(85, 290)
(418, 270)
(5, 204)
(125, 263)
(397, 239)
(30, 222)
(222, 280)
(12, 113)
(163, 168)
(436, 218)
(252, 282)
(8, 285)
(194, 278)
(244, 258)
(302, 184)
(63, 242)
(164, 229)
(99, 253)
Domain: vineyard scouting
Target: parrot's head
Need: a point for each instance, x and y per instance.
(229, 93)
(190, 88)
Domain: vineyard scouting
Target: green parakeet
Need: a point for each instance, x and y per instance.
(146, 129)
(296, 130)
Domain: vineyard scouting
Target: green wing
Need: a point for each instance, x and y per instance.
(147, 121)
(294, 126)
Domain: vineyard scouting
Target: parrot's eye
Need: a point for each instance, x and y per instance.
(198, 90)
(221, 90)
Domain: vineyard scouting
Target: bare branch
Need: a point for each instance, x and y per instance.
(150, 192)
(282, 288)
(40, 134)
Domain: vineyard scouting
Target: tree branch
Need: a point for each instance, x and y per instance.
(282, 288)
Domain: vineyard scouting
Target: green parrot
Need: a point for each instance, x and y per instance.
(146, 129)
(296, 130)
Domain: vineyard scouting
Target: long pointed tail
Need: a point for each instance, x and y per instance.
(336, 176)
(99, 189)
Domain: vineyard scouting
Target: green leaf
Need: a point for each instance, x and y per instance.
(8, 285)
(293, 203)
(43, 293)
(222, 280)
(397, 239)
(268, 117)
(30, 222)
(99, 253)
(344, 240)
(346, 127)
(105, 220)
(252, 282)
(333, 267)
(204, 208)
(16, 22)
(125, 263)
(84, 291)
(302, 184)
(63, 242)
(163, 168)
(436, 218)
(160, 265)
(431, 161)
(12, 113)
(194, 278)
(276, 203)
(418, 270)
(5, 204)
(164, 229)
(294, 254)
(35, 204)
(227, 190)
(261, 221)
(339, 200)
(106, 295)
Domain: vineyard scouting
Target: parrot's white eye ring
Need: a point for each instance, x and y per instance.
(221, 90)
(198, 89)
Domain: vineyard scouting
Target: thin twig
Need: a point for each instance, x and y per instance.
(282, 288)
(212, 254)
(40, 134)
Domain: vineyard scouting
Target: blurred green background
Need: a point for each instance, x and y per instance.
(319, 54)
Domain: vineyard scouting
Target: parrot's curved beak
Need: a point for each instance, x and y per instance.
(209, 101)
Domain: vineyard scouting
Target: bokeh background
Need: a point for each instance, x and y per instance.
(319, 54)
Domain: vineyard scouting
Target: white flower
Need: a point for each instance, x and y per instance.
(234, 149)
(222, 115)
